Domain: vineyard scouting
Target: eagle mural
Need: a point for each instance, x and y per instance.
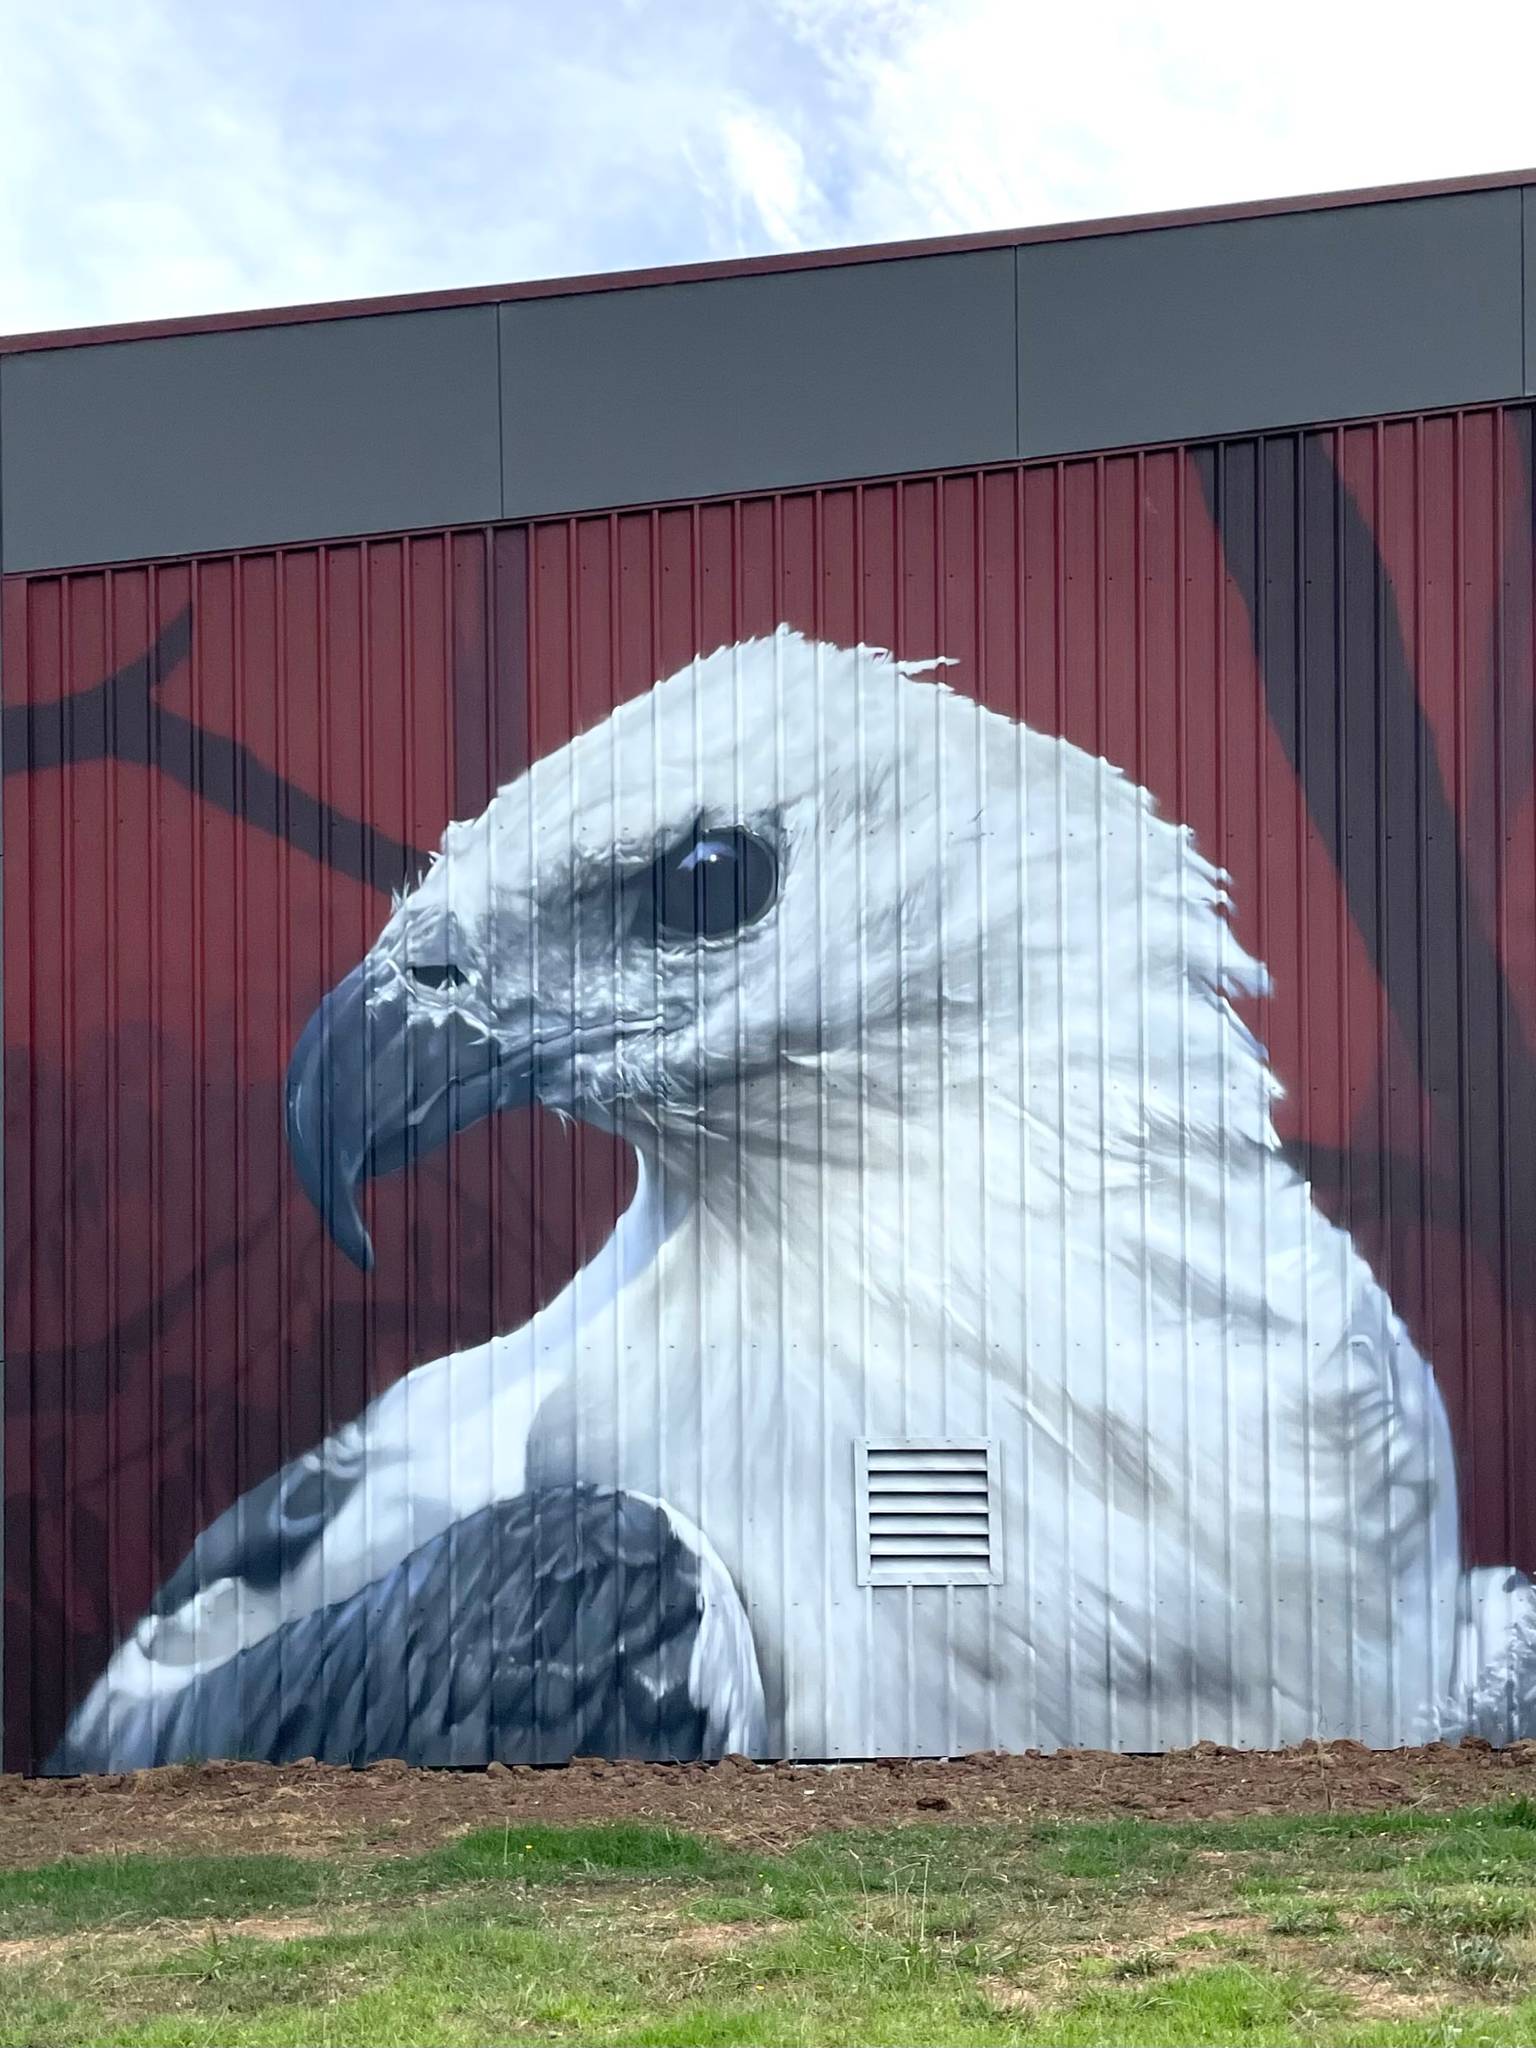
(924, 1029)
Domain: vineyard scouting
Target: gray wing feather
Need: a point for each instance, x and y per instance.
(267, 1531)
(564, 1622)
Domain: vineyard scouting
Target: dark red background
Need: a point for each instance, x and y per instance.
(1317, 649)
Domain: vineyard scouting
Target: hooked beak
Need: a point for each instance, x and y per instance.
(377, 1080)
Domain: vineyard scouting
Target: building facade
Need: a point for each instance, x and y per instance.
(784, 1008)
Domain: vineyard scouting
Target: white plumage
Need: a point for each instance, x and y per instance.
(962, 1136)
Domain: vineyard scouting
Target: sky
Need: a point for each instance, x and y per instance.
(164, 157)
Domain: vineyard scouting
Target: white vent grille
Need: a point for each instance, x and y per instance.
(929, 1512)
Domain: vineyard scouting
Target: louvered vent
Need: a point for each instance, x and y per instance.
(929, 1512)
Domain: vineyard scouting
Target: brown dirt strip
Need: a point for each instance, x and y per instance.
(311, 1809)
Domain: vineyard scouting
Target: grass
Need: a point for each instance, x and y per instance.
(1403, 1927)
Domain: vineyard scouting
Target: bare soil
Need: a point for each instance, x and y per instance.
(311, 1809)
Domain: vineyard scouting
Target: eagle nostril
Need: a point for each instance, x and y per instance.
(440, 975)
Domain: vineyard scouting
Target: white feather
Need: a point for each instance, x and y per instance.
(966, 1137)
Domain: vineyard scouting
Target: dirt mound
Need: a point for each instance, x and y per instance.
(326, 1810)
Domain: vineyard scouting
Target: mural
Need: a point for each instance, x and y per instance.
(964, 1345)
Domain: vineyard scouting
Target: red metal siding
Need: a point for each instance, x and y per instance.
(1317, 650)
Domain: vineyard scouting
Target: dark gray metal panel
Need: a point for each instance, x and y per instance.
(213, 441)
(755, 383)
(1217, 329)
(1528, 202)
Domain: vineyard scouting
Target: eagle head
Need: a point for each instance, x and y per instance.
(761, 866)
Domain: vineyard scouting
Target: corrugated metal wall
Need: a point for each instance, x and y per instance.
(1314, 649)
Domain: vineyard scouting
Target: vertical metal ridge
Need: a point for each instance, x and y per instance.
(1516, 738)
(1220, 716)
(860, 597)
(155, 939)
(940, 613)
(1502, 941)
(1056, 885)
(1021, 1539)
(981, 555)
(202, 1062)
(573, 653)
(900, 615)
(66, 1136)
(285, 1004)
(1462, 911)
(823, 1248)
(1179, 682)
(786, 1592)
(740, 1518)
(1421, 899)
(1104, 1318)
(1263, 926)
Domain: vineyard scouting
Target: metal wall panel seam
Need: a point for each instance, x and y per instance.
(501, 421)
(1385, 1194)
(1461, 906)
(1105, 1318)
(119, 857)
(65, 1137)
(1061, 923)
(283, 612)
(1021, 1538)
(539, 605)
(1306, 989)
(245, 1303)
(1227, 740)
(1265, 830)
(979, 559)
(1380, 839)
(1528, 285)
(360, 719)
(1018, 359)
(791, 1592)
(865, 1607)
(1425, 1118)
(1180, 683)
(1339, 671)
(197, 941)
(1518, 658)
(693, 1482)
(1503, 1121)
(745, 1520)
(824, 1323)
(943, 1076)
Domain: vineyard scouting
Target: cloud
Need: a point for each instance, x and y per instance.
(984, 113)
(162, 156)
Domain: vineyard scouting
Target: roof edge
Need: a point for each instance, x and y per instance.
(754, 266)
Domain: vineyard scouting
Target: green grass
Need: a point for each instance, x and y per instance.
(89, 1892)
(1379, 1928)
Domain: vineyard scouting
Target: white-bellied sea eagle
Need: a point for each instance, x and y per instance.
(921, 1025)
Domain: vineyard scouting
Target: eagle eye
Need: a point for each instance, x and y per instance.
(441, 974)
(716, 881)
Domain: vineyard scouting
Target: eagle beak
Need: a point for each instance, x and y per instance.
(379, 1079)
